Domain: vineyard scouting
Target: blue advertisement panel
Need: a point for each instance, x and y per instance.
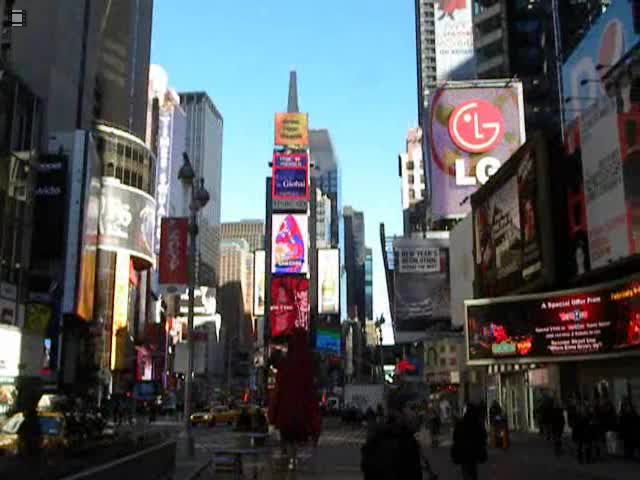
(328, 341)
(290, 183)
(610, 37)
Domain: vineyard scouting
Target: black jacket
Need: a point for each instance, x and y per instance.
(469, 442)
(391, 453)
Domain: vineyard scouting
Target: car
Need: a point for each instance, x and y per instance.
(52, 425)
(216, 415)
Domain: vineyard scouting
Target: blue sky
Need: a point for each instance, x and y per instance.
(356, 77)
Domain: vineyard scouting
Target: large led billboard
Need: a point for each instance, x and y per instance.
(289, 305)
(328, 280)
(455, 59)
(258, 283)
(290, 177)
(513, 244)
(596, 321)
(292, 130)
(473, 130)
(422, 297)
(289, 244)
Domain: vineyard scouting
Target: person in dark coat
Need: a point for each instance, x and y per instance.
(391, 451)
(469, 443)
(295, 411)
(557, 427)
(629, 423)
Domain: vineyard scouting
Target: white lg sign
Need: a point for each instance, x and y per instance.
(475, 127)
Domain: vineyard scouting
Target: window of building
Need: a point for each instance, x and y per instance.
(453, 361)
(422, 179)
(411, 179)
(443, 362)
(412, 194)
(410, 166)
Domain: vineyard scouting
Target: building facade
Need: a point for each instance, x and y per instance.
(326, 173)
(250, 230)
(204, 146)
(355, 254)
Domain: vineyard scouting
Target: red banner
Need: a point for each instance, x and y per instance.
(174, 238)
(289, 305)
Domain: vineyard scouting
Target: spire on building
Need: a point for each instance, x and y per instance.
(292, 104)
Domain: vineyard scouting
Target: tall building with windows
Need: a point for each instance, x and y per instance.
(326, 172)
(425, 52)
(354, 262)
(204, 146)
(250, 230)
(368, 284)
(412, 174)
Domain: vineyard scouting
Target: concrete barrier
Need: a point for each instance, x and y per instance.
(153, 463)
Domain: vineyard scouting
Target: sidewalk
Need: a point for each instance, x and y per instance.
(190, 468)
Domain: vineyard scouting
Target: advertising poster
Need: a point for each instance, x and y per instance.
(422, 300)
(292, 130)
(328, 281)
(473, 131)
(507, 226)
(289, 244)
(163, 171)
(418, 260)
(258, 283)
(598, 321)
(290, 178)
(629, 126)
(289, 305)
(120, 301)
(328, 340)
(173, 269)
(455, 58)
(603, 184)
(127, 220)
(608, 39)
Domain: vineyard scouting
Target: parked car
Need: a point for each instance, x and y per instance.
(52, 425)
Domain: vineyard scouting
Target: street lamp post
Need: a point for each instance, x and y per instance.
(199, 198)
(381, 321)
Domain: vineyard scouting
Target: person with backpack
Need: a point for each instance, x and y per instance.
(391, 451)
(469, 443)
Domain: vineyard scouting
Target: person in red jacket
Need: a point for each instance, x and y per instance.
(295, 411)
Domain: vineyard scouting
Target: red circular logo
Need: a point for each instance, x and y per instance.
(476, 126)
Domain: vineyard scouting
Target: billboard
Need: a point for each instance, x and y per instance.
(473, 130)
(163, 170)
(289, 305)
(611, 176)
(292, 130)
(606, 41)
(455, 59)
(258, 282)
(127, 220)
(289, 244)
(120, 302)
(290, 177)
(173, 271)
(512, 229)
(328, 280)
(604, 319)
(328, 340)
(421, 299)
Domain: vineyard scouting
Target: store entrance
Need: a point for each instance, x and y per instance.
(515, 400)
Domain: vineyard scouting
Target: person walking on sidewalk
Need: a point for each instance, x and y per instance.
(469, 443)
(295, 411)
(629, 424)
(557, 427)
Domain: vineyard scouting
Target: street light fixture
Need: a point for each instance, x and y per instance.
(199, 198)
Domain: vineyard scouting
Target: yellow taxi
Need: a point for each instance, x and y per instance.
(52, 426)
(217, 415)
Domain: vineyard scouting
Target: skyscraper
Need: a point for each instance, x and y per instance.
(412, 173)
(425, 52)
(368, 284)
(327, 175)
(250, 230)
(204, 146)
(354, 258)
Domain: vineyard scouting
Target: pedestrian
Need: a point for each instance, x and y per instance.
(557, 427)
(435, 423)
(469, 443)
(391, 451)
(379, 413)
(295, 410)
(629, 423)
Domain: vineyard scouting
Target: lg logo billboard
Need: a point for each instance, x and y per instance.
(476, 127)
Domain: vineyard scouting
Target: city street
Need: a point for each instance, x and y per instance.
(338, 457)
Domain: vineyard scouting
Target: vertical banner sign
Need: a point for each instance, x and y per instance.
(473, 130)
(87, 281)
(120, 301)
(164, 172)
(258, 283)
(328, 280)
(289, 305)
(292, 130)
(289, 244)
(174, 239)
(455, 58)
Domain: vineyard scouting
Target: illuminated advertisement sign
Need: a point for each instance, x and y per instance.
(455, 58)
(258, 283)
(292, 130)
(606, 41)
(127, 220)
(512, 230)
(328, 280)
(289, 305)
(290, 177)
(289, 242)
(594, 321)
(120, 302)
(473, 130)
(173, 268)
(328, 340)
